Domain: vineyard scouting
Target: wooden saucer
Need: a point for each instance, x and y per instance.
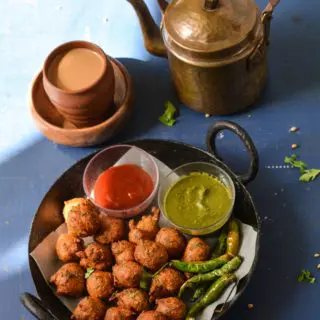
(52, 124)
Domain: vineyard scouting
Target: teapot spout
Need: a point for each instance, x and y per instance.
(153, 41)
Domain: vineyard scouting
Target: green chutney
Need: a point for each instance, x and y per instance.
(197, 201)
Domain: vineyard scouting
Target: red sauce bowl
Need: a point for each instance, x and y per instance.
(117, 156)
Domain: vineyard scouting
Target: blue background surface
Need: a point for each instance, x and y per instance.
(289, 210)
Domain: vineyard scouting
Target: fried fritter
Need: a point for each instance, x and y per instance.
(151, 254)
(166, 284)
(83, 219)
(89, 308)
(69, 280)
(119, 313)
(133, 299)
(196, 250)
(172, 240)
(127, 275)
(123, 251)
(173, 307)
(96, 256)
(112, 230)
(100, 284)
(146, 228)
(69, 204)
(152, 315)
(135, 235)
(68, 246)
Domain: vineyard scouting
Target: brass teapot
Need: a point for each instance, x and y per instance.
(217, 50)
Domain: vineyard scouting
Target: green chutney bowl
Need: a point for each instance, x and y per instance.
(198, 218)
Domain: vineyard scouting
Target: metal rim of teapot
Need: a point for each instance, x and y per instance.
(212, 4)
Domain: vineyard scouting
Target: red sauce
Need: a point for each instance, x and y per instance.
(122, 187)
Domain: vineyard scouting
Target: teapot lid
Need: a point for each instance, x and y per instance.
(210, 26)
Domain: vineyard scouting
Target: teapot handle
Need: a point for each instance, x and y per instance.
(266, 18)
(163, 5)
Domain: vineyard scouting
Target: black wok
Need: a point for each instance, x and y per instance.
(69, 185)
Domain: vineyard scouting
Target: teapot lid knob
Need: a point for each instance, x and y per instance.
(210, 4)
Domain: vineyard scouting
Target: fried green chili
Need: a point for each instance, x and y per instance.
(221, 245)
(211, 295)
(199, 292)
(145, 280)
(233, 239)
(200, 267)
(229, 267)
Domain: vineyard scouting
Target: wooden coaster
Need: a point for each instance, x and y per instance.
(52, 124)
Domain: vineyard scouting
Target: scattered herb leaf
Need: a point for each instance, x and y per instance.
(309, 175)
(168, 117)
(292, 160)
(88, 273)
(306, 175)
(305, 276)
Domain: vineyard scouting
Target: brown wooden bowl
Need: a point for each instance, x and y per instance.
(57, 129)
(88, 106)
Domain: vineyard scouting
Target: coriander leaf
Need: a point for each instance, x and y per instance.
(305, 276)
(312, 280)
(167, 118)
(300, 277)
(306, 175)
(309, 175)
(288, 159)
(292, 160)
(88, 273)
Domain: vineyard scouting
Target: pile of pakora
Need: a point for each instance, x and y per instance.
(128, 271)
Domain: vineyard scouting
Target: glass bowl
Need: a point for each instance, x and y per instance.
(185, 170)
(119, 155)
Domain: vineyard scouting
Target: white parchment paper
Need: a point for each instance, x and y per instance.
(48, 263)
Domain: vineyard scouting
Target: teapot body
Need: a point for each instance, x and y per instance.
(218, 63)
(217, 50)
(220, 89)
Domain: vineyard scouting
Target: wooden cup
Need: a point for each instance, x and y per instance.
(88, 106)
